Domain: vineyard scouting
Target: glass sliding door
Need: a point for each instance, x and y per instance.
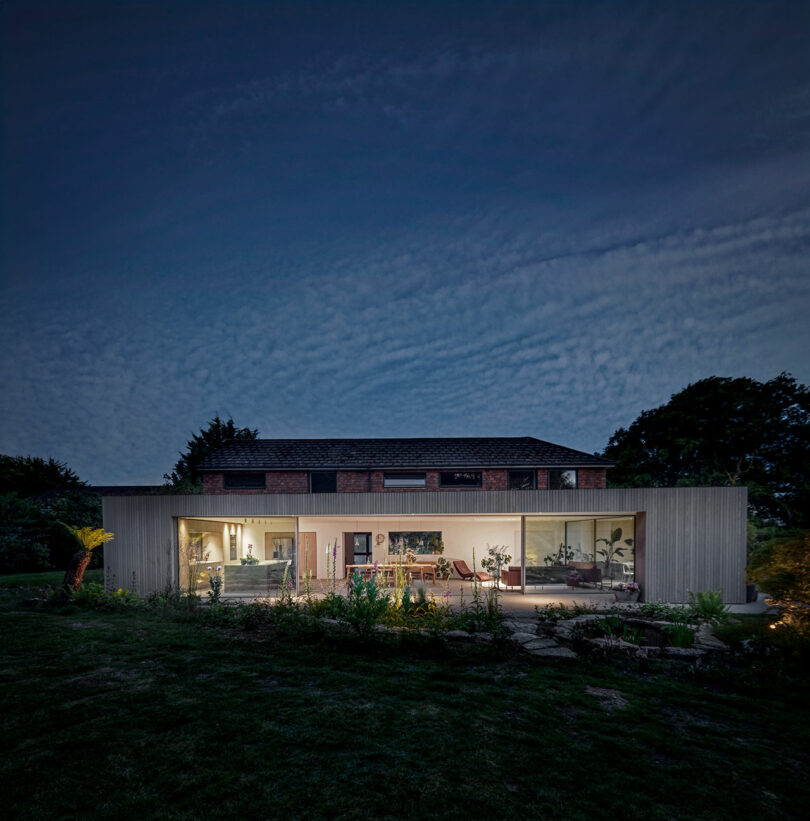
(254, 556)
(600, 550)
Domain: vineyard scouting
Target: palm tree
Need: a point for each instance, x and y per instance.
(89, 538)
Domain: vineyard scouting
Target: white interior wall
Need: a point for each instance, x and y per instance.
(460, 536)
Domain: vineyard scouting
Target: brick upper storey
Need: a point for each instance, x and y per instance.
(363, 465)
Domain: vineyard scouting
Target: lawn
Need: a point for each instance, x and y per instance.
(151, 714)
(49, 577)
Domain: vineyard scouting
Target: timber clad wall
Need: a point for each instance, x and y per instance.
(691, 538)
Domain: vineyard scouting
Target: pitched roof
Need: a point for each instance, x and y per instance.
(365, 454)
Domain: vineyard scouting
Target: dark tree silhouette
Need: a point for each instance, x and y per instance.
(723, 431)
(32, 475)
(185, 476)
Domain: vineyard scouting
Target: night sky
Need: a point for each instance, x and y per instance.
(392, 219)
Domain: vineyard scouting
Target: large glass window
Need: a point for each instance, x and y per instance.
(324, 481)
(562, 479)
(522, 479)
(457, 478)
(253, 556)
(601, 550)
(243, 481)
(396, 480)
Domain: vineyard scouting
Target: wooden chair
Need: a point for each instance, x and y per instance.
(429, 570)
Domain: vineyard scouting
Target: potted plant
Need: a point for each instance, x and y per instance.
(250, 558)
(612, 550)
(443, 568)
(627, 591)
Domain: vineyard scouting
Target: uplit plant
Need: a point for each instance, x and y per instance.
(89, 538)
(215, 583)
(496, 559)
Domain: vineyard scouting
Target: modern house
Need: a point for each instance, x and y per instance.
(276, 510)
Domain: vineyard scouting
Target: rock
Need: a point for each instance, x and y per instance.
(605, 643)
(458, 634)
(705, 637)
(557, 652)
(523, 638)
(539, 644)
(683, 652)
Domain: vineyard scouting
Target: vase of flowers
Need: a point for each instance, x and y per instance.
(627, 591)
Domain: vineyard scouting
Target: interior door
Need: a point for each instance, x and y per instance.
(307, 555)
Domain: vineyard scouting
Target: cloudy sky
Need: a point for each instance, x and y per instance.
(392, 219)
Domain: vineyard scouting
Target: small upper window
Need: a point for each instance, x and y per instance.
(562, 479)
(243, 481)
(323, 481)
(456, 478)
(395, 480)
(522, 480)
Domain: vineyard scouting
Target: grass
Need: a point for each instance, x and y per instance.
(151, 714)
(49, 578)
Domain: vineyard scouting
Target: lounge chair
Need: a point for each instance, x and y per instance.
(468, 575)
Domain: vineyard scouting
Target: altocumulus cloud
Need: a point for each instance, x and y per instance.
(424, 336)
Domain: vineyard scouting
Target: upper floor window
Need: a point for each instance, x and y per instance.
(562, 479)
(243, 481)
(457, 478)
(323, 481)
(395, 480)
(522, 479)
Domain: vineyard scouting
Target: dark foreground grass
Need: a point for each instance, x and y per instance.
(132, 714)
(52, 578)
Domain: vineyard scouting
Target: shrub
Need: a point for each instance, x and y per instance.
(708, 606)
(368, 603)
(680, 635)
(782, 568)
(658, 611)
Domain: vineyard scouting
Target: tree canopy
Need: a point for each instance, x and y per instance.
(32, 475)
(185, 475)
(36, 497)
(724, 431)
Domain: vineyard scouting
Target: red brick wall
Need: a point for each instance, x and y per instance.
(286, 481)
(212, 483)
(361, 481)
(432, 482)
(353, 481)
(591, 478)
(494, 480)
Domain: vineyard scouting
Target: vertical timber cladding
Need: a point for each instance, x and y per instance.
(694, 538)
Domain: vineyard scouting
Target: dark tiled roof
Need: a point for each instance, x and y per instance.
(462, 452)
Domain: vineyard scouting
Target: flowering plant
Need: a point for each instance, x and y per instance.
(629, 587)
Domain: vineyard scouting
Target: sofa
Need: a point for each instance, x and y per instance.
(584, 574)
